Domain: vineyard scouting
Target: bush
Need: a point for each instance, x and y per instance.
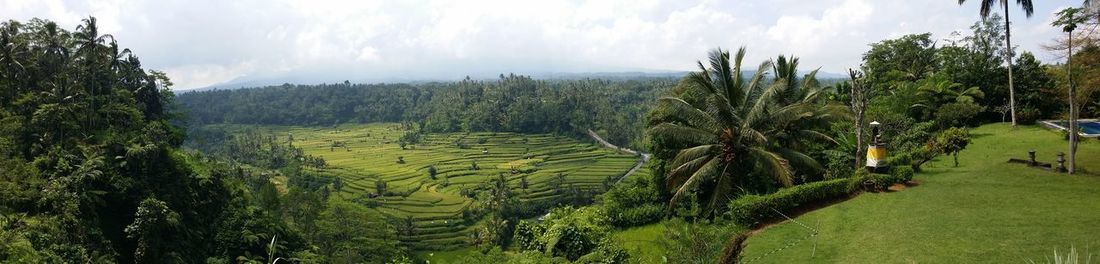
(566, 232)
(958, 114)
(633, 203)
(607, 252)
(902, 173)
(696, 242)
(750, 210)
(1028, 116)
(526, 236)
(875, 182)
(951, 142)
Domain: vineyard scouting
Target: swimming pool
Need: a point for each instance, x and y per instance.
(1087, 127)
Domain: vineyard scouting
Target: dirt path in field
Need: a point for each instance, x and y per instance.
(645, 156)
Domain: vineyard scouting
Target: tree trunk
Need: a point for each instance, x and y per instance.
(859, 140)
(858, 106)
(1008, 44)
(1072, 122)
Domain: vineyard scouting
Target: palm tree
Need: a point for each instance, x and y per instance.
(729, 132)
(937, 92)
(11, 53)
(1029, 9)
(89, 40)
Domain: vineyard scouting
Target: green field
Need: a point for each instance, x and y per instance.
(371, 152)
(985, 210)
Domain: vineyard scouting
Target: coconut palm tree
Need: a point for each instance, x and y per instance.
(90, 44)
(1029, 9)
(12, 54)
(730, 133)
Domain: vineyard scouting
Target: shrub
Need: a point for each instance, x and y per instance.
(526, 236)
(750, 210)
(607, 252)
(874, 182)
(696, 242)
(958, 114)
(902, 173)
(566, 232)
(380, 186)
(1028, 116)
(951, 142)
(633, 203)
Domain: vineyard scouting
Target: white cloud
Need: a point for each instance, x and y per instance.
(203, 75)
(204, 42)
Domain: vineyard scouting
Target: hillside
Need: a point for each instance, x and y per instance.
(542, 171)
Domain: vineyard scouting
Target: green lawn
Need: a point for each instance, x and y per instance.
(985, 210)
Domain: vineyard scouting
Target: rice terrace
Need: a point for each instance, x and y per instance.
(543, 170)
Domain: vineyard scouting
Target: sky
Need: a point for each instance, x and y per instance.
(201, 43)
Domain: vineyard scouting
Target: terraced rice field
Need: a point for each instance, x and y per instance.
(371, 153)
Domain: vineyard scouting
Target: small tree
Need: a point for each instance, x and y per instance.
(952, 141)
(400, 159)
(556, 182)
(473, 165)
(1068, 19)
(380, 187)
(408, 227)
(432, 172)
(523, 181)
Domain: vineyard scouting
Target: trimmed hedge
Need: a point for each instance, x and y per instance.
(750, 210)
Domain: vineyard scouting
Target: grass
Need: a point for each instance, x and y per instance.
(643, 242)
(985, 210)
(372, 153)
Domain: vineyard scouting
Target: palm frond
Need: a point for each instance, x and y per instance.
(685, 112)
(705, 172)
(679, 134)
(755, 83)
(773, 164)
(683, 172)
(693, 153)
(800, 160)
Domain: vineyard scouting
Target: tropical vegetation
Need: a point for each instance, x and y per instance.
(101, 161)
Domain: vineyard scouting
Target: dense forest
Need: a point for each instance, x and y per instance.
(512, 103)
(91, 170)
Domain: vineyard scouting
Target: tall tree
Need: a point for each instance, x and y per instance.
(1068, 19)
(730, 133)
(1029, 9)
(858, 95)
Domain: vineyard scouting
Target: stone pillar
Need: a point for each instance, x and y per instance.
(1031, 158)
(1061, 162)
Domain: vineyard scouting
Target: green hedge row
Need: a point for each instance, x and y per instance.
(751, 210)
